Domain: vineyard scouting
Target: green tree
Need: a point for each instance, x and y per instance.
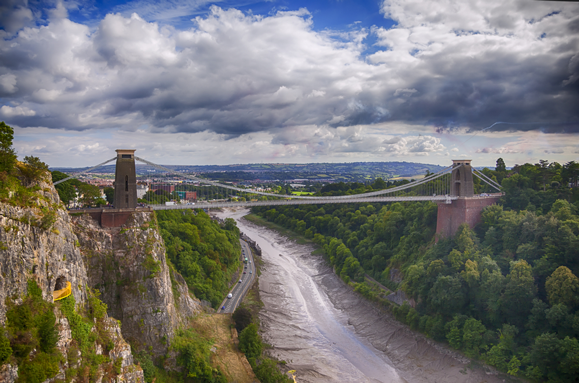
(66, 190)
(520, 290)
(89, 194)
(267, 372)
(242, 318)
(563, 287)
(5, 349)
(472, 337)
(447, 295)
(109, 194)
(32, 168)
(501, 167)
(250, 342)
(47, 332)
(7, 153)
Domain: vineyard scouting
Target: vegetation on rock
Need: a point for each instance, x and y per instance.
(202, 251)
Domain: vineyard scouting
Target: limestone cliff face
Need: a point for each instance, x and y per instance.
(37, 242)
(129, 268)
(120, 368)
(31, 248)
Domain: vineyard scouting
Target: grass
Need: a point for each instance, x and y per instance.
(302, 193)
(216, 329)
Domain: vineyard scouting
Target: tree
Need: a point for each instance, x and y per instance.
(33, 168)
(89, 194)
(516, 301)
(66, 190)
(563, 287)
(472, 336)
(379, 184)
(7, 153)
(447, 296)
(242, 318)
(109, 194)
(250, 342)
(501, 167)
(5, 349)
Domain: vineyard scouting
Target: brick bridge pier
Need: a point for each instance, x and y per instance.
(467, 208)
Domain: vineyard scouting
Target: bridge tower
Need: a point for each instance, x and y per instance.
(125, 180)
(462, 184)
(467, 208)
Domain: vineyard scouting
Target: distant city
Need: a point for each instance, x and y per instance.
(255, 174)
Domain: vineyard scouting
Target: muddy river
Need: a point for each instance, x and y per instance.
(327, 333)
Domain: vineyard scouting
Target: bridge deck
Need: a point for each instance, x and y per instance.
(209, 205)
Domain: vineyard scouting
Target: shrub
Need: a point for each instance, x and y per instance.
(242, 318)
(5, 349)
(250, 342)
(47, 332)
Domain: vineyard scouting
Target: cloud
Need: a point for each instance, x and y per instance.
(476, 62)
(235, 74)
(501, 150)
(14, 15)
(10, 112)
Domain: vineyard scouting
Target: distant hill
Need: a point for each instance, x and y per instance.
(350, 171)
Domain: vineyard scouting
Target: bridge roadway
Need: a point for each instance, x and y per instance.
(211, 205)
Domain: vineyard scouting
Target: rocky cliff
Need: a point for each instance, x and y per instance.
(128, 266)
(39, 253)
(37, 242)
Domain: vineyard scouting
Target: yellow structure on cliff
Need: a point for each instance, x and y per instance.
(62, 293)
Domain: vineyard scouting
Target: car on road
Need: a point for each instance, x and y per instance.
(229, 296)
(250, 272)
(241, 280)
(245, 272)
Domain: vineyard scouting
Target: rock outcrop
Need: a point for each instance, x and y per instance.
(120, 368)
(37, 243)
(128, 266)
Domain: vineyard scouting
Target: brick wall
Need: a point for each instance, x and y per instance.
(463, 210)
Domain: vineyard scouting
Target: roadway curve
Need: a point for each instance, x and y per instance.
(238, 291)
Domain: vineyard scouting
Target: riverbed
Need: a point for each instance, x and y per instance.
(328, 333)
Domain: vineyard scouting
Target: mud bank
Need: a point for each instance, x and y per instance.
(328, 333)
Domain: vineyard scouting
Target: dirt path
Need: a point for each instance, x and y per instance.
(226, 355)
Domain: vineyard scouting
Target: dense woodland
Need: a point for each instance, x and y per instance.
(506, 292)
(202, 251)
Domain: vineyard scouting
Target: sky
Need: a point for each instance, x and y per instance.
(226, 82)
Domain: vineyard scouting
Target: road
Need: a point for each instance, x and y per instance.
(240, 289)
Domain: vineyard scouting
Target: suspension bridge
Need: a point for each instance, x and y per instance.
(452, 188)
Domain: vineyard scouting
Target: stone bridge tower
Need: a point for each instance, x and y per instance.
(125, 180)
(467, 208)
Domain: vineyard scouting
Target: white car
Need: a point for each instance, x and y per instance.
(240, 280)
(229, 296)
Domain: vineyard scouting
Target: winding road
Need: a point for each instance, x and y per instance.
(238, 291)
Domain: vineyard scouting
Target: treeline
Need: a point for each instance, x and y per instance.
(202, 251)
(506, 292)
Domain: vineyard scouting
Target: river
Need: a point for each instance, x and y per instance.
(328, 333)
